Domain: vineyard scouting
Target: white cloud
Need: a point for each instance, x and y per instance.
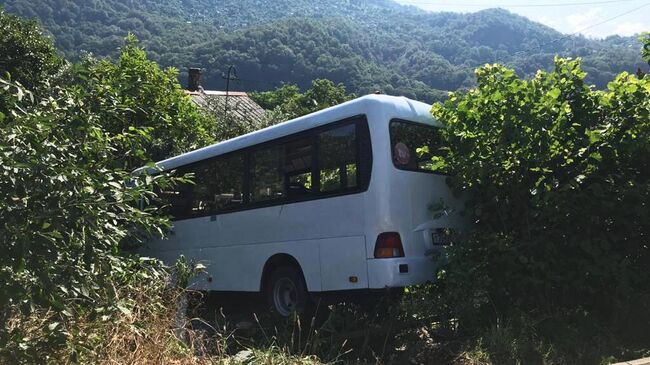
(631, 28)
(566, 19)
(579, 21)
(551, 22)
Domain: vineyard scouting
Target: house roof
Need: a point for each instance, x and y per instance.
(240, 105)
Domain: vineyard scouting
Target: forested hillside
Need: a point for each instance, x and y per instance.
(367, 45)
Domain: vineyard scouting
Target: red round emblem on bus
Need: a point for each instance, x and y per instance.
(402, 154)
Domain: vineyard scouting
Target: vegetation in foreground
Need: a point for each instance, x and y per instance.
(555, 173)
(557, 181)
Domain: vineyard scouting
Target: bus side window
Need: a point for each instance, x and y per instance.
(180, 198)
(298, 167)
(318, 163)
(337, 157)
(228, 186)
(267, 181)
(203, 201)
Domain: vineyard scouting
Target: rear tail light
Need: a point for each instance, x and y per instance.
(388, 245)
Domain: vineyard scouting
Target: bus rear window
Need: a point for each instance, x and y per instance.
(414, 146)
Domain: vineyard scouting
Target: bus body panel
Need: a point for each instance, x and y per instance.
(241, 266)
(306, 231)
(343, 266)
(385, 273)
(407, 209)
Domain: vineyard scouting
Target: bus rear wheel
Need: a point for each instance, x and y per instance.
(286, 292)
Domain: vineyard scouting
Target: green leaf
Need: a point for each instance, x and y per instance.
(554, 93)
(126, 311)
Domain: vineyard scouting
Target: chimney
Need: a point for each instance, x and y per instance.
(194, 79)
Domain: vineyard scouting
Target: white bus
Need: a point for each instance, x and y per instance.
(335, 202)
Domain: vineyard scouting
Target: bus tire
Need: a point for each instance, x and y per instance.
(286, 292)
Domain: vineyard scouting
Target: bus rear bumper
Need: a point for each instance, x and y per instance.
(400, 272)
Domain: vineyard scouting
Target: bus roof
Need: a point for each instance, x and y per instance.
(395, 106)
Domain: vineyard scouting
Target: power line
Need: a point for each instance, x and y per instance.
(612, 18)
(599, 23)
(585, 28)
(540, 5)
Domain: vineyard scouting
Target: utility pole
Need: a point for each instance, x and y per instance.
(232, 75)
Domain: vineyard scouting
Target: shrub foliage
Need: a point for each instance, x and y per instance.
(69, 201)
(557, 181)
(134, 92)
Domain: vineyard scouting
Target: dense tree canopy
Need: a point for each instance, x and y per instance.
(367, 45)
(27, 56)
(645, 48)
(287, 102)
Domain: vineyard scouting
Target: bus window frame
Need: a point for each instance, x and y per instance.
(364, 170)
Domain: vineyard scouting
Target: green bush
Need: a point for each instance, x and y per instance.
(66, 210)
(557, 180)
(134, 92)
(70, 204)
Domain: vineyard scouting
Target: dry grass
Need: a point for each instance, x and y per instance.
(149, 333)
(150, 327)
(147, 325)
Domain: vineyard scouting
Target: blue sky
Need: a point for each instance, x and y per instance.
(631, 16)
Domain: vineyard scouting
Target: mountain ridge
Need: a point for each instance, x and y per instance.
(368, 44)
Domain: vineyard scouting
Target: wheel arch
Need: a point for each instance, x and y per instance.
(276, 261)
